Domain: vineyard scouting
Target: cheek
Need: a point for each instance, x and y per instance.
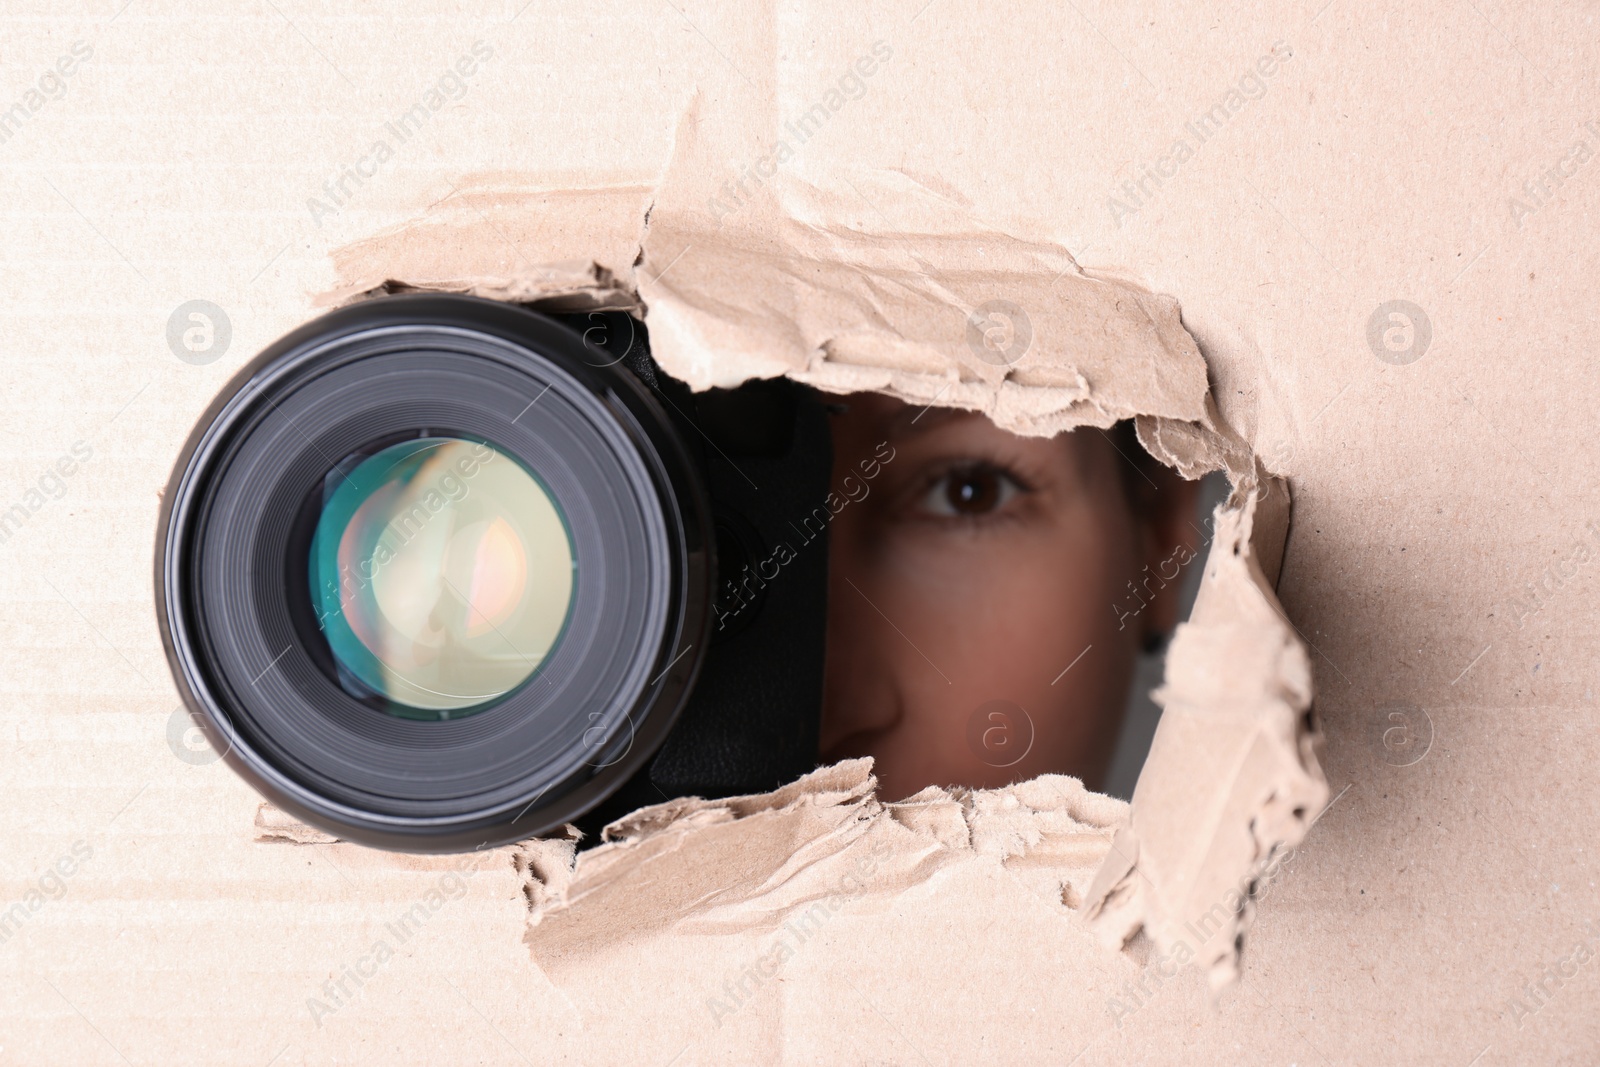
(1016, 619)
(927, 626)
(1014, 597)
(1004, 620)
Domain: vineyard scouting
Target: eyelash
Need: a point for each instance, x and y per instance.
(936, 500)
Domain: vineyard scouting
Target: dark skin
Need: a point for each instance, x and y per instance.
(973, 638)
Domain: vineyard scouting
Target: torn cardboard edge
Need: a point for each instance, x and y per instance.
(1232, 778)
(884, 284)
(753, 864)
(559, 249)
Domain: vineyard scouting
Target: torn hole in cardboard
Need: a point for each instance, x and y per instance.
(805, 289)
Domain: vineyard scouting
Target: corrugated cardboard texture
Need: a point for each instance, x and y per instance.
(1380, 228)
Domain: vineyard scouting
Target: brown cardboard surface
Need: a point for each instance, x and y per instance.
(1435, 580)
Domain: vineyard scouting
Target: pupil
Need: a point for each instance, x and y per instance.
(974, 492)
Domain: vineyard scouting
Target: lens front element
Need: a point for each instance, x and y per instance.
(441, 574)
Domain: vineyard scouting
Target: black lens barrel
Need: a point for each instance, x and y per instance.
(231, 591)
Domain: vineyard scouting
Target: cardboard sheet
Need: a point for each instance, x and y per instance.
(1232, 779)
(1342, 253)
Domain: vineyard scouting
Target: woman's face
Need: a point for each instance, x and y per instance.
(974, 636)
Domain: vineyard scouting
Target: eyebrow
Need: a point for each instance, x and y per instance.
(911, 421)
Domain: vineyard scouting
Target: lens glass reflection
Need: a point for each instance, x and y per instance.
(441, 573)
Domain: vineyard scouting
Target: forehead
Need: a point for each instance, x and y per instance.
(889, 417)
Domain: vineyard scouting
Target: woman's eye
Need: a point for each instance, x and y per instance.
(970, 492)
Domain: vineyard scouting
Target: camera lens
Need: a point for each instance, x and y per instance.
(441, 572)
(431, 578)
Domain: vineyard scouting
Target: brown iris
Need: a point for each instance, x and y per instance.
(974, 490)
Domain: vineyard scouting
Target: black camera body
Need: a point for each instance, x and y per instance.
(689, 657)
(765, 454)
